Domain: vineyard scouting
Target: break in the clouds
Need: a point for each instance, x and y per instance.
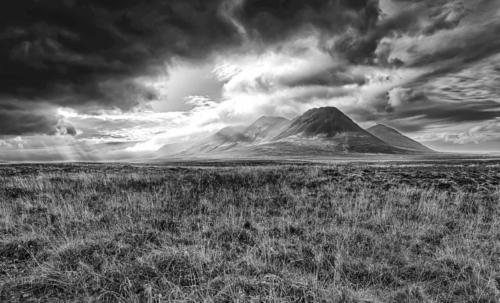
(124, 76)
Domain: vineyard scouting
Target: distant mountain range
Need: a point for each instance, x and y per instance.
(322, 132)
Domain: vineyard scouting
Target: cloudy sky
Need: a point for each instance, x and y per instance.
(104, 79)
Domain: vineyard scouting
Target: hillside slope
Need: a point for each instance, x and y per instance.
(397, 139)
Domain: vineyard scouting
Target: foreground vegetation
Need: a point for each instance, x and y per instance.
(267, 233)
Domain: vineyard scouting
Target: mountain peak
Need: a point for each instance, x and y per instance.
(323, 121)
(330, 110)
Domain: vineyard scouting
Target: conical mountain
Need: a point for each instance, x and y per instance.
(325, 121)
(397, 139)
(328, 126)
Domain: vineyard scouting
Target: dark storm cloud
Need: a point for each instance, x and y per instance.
(79, 53)
(449, 31)
(360, 46)
(444, 39)
(457, 113)
(333, 77)
(82, 53)
(356, 21)
(17, 120)
(477, 44)
(275, 20)
(56, 47)
(70, 130)
(419, 116)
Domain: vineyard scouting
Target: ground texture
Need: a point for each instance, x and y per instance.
(414, 232)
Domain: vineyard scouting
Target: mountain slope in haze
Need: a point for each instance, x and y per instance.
(231, 134)
(266, 128)
(397, 139)
(328, 129)
(224, 139)
(263, 129)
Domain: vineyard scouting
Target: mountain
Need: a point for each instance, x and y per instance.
(397, 139)
(318, 132)
(328, 127)
(325, 121)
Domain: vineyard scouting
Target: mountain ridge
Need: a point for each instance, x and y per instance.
(324, 131)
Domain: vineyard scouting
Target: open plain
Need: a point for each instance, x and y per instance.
(424, 231)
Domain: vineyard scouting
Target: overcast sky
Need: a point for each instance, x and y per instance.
(102, 79)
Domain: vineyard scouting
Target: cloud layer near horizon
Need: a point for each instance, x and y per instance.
(96, 71)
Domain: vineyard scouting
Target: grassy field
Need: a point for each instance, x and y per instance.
(260, 233)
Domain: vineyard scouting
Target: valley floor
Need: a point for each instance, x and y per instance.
(251, 232)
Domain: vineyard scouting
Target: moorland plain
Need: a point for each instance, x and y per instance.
(243, 232)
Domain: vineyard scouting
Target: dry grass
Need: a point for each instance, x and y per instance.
(272, 233)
